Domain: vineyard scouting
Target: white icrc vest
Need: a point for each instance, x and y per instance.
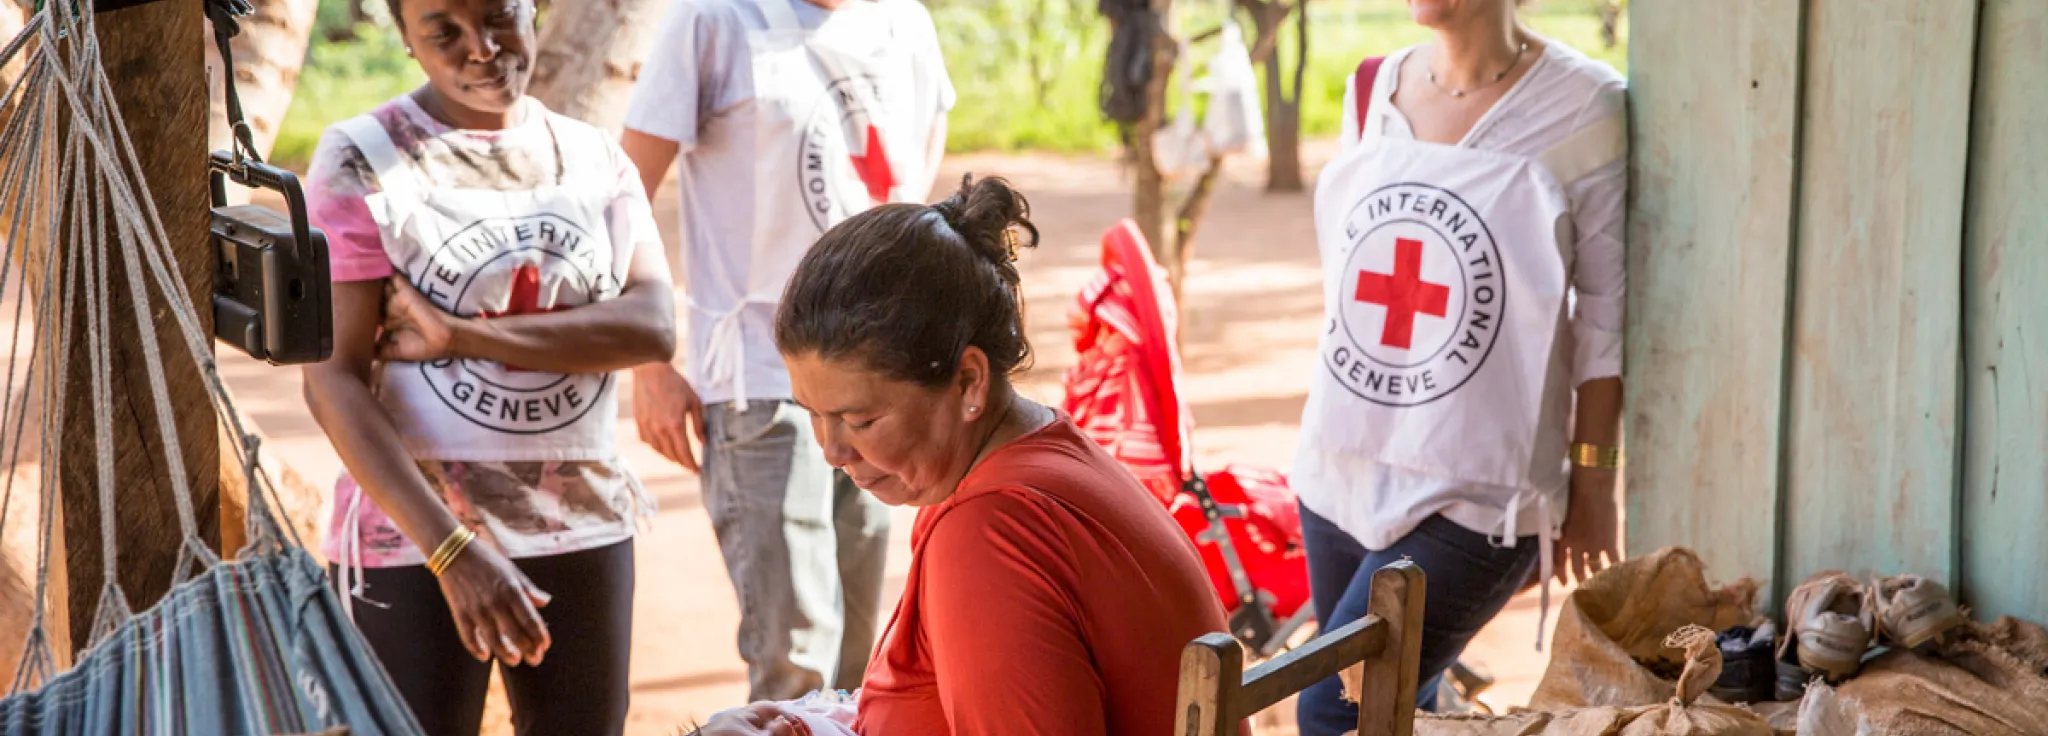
(487, 253)
(834, 134)
(1446, 271)
(1446, 274)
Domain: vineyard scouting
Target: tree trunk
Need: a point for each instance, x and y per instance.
(1610, 21)
(590, 55)
(1283, 103)
(1149, 199)
(269, 52)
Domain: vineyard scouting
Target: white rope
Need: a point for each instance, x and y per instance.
(92, 125)
(18, 180)
(95, 169)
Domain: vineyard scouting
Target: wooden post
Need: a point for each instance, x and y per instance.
(154, 56)
(1149, 200)
(1387, 681)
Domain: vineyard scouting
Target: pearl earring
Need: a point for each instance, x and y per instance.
(973, 410)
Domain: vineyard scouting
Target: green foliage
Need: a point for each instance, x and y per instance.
(1340, 37)
(1028, 72)
(994, 47)
(342, 79)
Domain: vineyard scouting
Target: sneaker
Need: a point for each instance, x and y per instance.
(1747, 672)
(1913, 611)
(1471, 679)
(1792, 678)
(1830, 624)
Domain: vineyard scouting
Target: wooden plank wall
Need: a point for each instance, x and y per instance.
(1710, 226)
(2005, 255)
(1871, 443)
(1836, 348)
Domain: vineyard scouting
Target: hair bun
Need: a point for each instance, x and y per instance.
(987, 214)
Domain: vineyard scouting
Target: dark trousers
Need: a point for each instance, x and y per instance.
(580, 688)
(1469, 580)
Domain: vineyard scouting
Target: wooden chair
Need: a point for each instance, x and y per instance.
(1379, 656)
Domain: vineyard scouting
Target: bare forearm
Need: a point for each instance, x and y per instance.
(1597, 421)
(369, 446)
(634, 329)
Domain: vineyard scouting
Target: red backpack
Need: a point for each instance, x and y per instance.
(1361, 88)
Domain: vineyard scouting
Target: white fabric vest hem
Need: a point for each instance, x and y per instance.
(1343, 496)
(510, 455)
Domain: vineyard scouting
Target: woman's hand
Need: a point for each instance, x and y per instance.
(414, 329)
(759, 719)
(1591, 538)
(495, 607)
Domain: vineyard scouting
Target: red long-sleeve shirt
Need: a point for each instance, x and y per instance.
(1051, 594)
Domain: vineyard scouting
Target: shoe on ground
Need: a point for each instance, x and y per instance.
(1471, 679)
(1792, 679)
(1748, 673)
(1830, 623)
(1912, 611)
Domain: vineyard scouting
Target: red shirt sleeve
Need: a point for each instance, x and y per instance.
(1004, 632)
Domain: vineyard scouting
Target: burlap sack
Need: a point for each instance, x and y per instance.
(1622, 615)
(1582, 722)
(1992, 679)
(1823, 713)
(1684, 715)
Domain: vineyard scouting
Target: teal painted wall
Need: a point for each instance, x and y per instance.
(1838, 339)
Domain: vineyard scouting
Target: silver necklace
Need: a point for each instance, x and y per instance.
(1495, 80)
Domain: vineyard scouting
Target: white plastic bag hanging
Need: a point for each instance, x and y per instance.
(1235, 124)
(1179, 147)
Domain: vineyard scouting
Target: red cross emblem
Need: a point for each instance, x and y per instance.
(1403, 293)
(525, 299)
(874, 168)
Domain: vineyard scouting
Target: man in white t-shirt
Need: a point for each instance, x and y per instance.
(788, 116)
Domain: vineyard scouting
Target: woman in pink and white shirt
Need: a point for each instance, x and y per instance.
(495, 266)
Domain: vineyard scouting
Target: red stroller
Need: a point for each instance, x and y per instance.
(1123, 393)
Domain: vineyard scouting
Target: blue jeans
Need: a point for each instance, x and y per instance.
(1468, 581)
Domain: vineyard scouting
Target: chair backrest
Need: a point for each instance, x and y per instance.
(1379, 657)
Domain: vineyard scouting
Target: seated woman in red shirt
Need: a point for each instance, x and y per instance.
(1048, 593)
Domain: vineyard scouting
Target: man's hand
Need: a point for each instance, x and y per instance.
(1591, 538)
(414, 329)
(667, 410)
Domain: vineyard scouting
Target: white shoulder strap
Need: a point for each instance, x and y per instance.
(781, 17)
(1584, 152)
(394, 176)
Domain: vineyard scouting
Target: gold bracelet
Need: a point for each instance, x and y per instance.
(444, 556)
(1595, 456)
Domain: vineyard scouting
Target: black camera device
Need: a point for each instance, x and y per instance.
(272, 297)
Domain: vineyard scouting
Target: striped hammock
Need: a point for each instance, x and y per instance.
(258, 645)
